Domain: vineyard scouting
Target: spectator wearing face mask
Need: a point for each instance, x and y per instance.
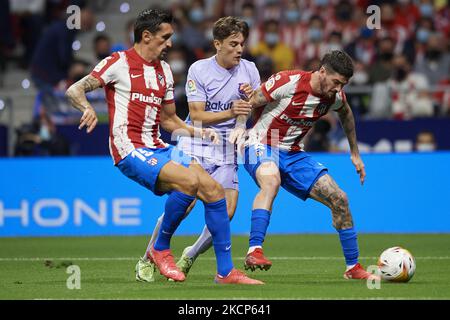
(102, 47)
(248, 14)
(425, 142)
(390, 28)
(192, 29)
(272, 47)
(435, 63)
(380, 70)
(410, 91)
(346, 20)
(292, 31)
(314, 46)
(363, 49)
(176, 58)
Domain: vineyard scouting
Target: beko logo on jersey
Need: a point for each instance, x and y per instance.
(218, 105)
(148, 99)
(301, 122)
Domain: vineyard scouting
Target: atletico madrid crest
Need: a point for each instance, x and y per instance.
(152, 161)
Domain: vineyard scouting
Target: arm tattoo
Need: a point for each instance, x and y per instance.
(258, 99)
(348, 124)
(90, 83)
(77, 92)
(241, 121)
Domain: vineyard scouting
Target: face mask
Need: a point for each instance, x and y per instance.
(315, 34)
(271, 38)
(400, 74)
(177, 66)
(320, 2)
(386, 56)
(334, 46)
(344, 15)
(292, 15)
(426, 10)
(360, 77)
(424, 147)
(102, 56)
(433, 54)
(44, 133)
(196, 15)
(423, 35)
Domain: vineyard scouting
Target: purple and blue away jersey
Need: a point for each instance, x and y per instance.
(208, 82)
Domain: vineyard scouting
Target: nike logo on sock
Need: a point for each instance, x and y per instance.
(228, 248)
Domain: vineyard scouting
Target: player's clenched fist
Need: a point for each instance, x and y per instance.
(241, 107)
(88, 119)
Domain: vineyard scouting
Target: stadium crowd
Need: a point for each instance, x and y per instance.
(402, 68)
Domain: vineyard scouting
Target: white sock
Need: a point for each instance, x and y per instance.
(203, 243)
(154, 235)
(251, 249)
(350, 267)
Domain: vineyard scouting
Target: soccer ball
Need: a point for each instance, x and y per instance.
(397, 264)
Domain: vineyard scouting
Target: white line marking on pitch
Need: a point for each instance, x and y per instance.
(11, 259)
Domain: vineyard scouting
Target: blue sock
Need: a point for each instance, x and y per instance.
(176, 206)
(260, 222)
(349, 243)
(218, 224)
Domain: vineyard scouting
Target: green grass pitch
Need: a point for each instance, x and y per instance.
(304, 267)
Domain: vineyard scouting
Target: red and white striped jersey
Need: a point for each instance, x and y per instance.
(135, 92)
(292, 110)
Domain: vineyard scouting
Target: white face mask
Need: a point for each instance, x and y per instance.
(360, 77)
(178, 66)
(44, 133)
(424, 147)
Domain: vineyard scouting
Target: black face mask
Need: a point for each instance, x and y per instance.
(433, 54)
(400, 74)
(344, 14)
(102, 56)
(78, 77)
(386, 56)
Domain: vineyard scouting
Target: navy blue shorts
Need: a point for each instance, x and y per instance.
(144, 164)
(298, 170)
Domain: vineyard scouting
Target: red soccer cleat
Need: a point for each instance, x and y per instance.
(358, 272)
(256, 259)
(165, 263)
(236, 277)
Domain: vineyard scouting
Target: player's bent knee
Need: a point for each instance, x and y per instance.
(211, 191)
(271, 184)
(189, 184)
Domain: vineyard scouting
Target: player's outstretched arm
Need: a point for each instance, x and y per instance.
(173, 124)
(77, 97)
(348, 124)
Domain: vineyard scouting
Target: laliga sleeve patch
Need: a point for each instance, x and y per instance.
(101, 64)
(191, 86)
(270, 83)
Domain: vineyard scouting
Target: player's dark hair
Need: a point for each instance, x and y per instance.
(338, 62)
(150, 20)
(227, 26)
